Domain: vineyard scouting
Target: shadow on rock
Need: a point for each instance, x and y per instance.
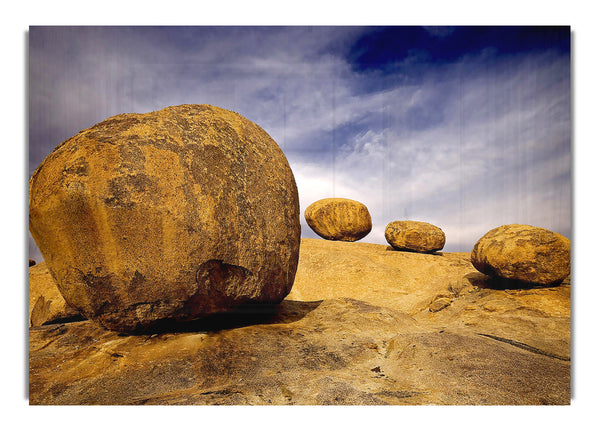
(406, 250)
(498, 283)
(287, 311)
(477, 279)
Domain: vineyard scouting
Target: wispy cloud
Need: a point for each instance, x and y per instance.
(499, 153)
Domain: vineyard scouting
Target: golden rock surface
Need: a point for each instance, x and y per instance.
(415, 236)
(46, 304)
(339, 219)
(363, 325)
(172, 214)
(523, 253)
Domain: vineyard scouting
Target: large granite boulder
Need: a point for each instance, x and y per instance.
(415, 236)
(169, 215)
(523, 253)
(46, 304)
(339, 219)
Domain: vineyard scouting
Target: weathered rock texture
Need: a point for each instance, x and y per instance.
(364, 324)
(172, 214)
(415, 236)
(46, 304)
(523, 253)
(339, 219)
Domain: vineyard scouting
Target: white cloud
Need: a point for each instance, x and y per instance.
(500, 155)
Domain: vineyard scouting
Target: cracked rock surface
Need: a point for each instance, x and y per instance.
(364, 324)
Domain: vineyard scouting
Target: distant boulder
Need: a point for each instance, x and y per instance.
(339, 219)
(523, 253)
(167, 216)
(415, 236)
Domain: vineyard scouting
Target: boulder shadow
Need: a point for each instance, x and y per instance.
(499, 283)
(287, 311)
(405, 250)
(477, 279)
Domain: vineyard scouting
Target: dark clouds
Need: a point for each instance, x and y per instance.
(467, 128)
(387, 49)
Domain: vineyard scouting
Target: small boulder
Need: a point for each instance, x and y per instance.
(339, 219)
(439, 304)
(170, 215)
(415, 236)
(523, 253)
(31, 262)
(46, 304)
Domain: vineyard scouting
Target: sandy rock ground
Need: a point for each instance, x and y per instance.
(364, 324)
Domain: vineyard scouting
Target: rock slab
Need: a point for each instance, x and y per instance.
(415, 236)
(524, 254)
(339, 219)
(363, 325)
(169, 215)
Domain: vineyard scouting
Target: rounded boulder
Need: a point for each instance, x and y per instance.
(338, 219)
(415, 236)
(170, 215)
(523, 253)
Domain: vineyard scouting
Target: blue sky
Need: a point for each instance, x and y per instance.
(467, 128)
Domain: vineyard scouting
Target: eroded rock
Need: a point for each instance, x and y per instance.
(173, 214)
(465, 301)
(358, 328)
(415, 236)
(331, 352)
(523, 253)
(339, 219)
